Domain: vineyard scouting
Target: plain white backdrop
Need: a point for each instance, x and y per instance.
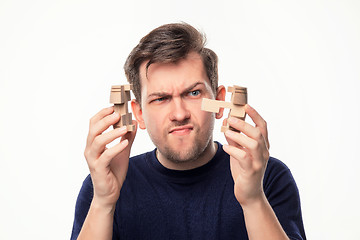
(58, 59)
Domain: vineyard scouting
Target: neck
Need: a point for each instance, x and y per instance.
(203, 159)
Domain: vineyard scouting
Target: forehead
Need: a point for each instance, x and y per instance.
(172, 77)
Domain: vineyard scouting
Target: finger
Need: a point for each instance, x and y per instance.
(230, 142)
(255, 116)
(120, 161)
(97, 117)
(224, 122)
(239, 155)
(256, 150)
(241, 140)
(254, 143)
(110, 153)
(100, 115)
(100, 142)
(100, 126)
(131, 135)
(245, 128)
(259, 122)
(235, 168)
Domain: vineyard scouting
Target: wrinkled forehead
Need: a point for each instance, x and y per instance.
(173, 77)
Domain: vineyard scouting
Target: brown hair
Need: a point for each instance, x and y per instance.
(169, 44)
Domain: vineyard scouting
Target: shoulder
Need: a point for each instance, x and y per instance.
(87, 191)
(278, 179)
(283, 195)
(276, 165)
(82, 206)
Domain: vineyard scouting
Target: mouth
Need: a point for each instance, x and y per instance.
(182, 130)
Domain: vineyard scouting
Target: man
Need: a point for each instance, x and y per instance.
(189, 187)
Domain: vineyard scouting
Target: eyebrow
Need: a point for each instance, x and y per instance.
(164, 94)
(193, 86)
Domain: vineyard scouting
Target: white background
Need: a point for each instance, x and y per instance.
(58, 59)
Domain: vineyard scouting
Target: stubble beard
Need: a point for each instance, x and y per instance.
(196, 150)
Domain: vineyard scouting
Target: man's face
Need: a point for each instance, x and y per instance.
(171, 108)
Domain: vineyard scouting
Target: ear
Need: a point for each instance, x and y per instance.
(137, 111)
(220, 95)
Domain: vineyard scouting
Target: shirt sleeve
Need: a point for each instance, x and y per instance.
(82, 206)
(283, 195)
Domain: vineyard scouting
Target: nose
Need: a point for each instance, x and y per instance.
(179, 111)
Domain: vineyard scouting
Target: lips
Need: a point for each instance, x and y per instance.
(181, 130)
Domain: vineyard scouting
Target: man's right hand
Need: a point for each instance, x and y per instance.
(108, 166)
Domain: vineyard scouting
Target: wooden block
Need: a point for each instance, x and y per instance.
(236, 106)
(237, 111)
(130, 128)
(224, 128)
(121, 108)
(119, 96)
(239, 95)
(127, 96)
(211, 105)
(128, 87)
(126, 119)
(227, 127)
(129, 118)
(239, 98)
(235, 88)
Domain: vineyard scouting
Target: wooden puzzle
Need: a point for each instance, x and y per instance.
(120, 96)
(236, 106)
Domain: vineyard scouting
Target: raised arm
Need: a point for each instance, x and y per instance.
(108, 169)
(249, 154)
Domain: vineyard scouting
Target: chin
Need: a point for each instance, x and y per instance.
(188, 151)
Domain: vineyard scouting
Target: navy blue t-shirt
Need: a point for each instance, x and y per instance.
(159, 203)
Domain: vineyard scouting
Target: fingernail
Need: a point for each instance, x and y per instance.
(229, 133)
(233, 120)
(115, 115)
(124, 142)
(122, 129)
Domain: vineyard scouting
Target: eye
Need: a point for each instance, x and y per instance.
(194, 93)
(160, 99)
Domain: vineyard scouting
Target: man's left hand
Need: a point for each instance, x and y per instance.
(249, 153)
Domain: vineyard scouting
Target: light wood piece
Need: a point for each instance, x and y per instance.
(236, 106)
(120, 96)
